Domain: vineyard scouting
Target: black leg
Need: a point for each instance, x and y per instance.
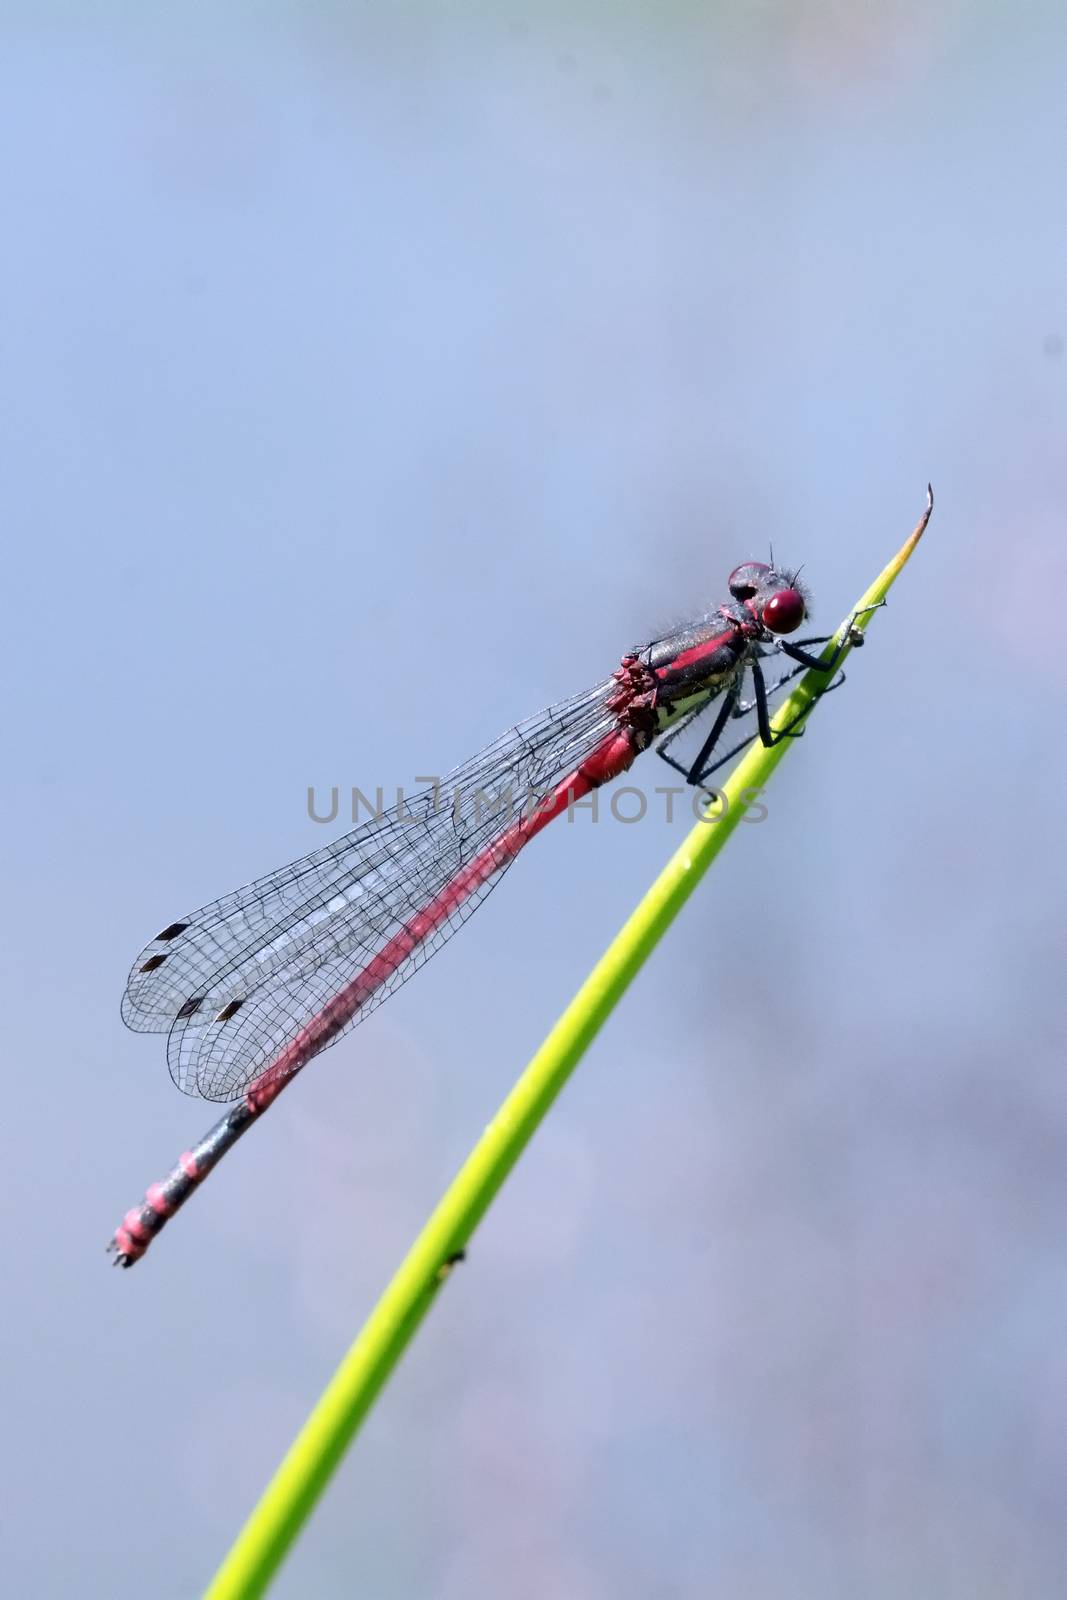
(783, 733)
(763, 717)
(669, 738)
(691, 772)
(789, 732)
(743, 707)
(725, 712)
(722, 761)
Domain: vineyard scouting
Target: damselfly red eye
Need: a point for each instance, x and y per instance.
(745, 580)
(784, 611)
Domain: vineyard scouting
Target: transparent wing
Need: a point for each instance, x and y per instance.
(235, 982)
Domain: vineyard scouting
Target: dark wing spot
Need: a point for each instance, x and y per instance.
(189, 1007)
(153, 963)
(229, 1011)
(172, 930)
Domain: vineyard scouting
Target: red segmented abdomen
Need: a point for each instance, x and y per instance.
(139, 1227)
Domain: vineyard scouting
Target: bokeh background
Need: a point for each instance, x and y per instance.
(371, 378)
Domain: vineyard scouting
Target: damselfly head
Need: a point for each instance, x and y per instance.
(774, 598)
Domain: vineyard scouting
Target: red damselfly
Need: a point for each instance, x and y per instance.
(253, 986)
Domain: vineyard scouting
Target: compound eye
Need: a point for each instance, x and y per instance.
(745, 580)
(784, 611)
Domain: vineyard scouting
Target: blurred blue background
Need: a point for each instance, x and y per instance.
(372, 379)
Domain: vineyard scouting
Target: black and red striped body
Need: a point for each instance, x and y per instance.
(697, 660)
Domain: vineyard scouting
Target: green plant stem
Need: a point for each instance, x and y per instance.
(305, 1470)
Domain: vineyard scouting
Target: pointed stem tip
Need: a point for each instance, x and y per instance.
(918, 530)
(925, 518)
